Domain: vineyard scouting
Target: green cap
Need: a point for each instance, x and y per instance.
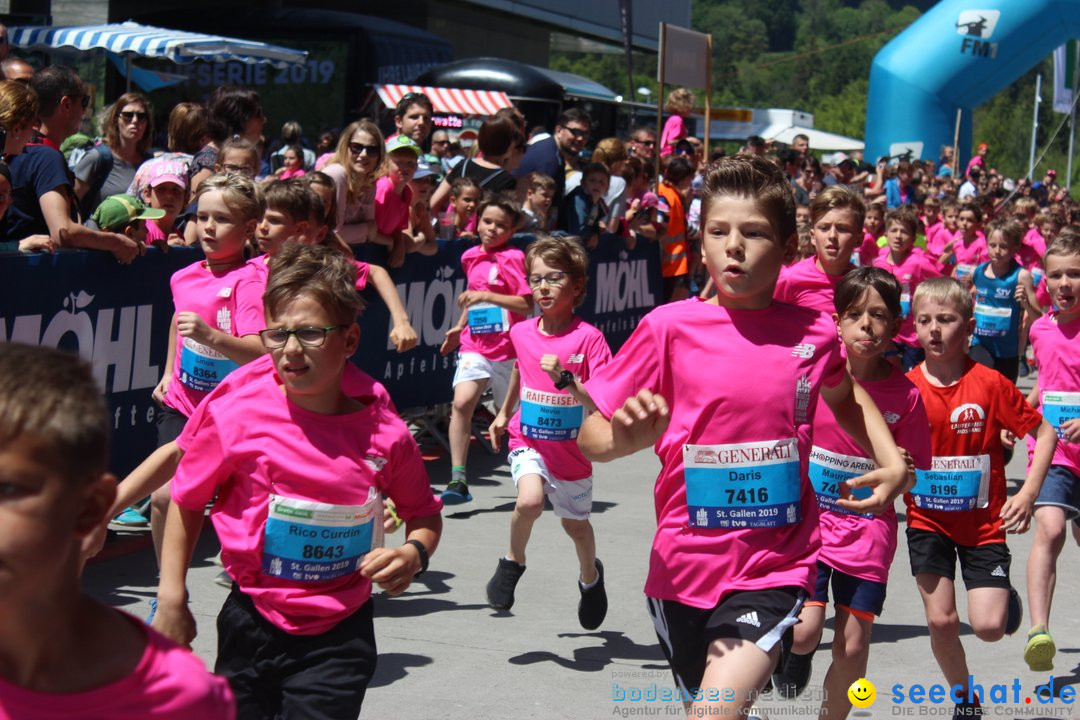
(116, 212)
(402, 142)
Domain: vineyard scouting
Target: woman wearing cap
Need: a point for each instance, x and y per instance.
(109, 168)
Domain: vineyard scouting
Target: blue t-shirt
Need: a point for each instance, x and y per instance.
(543, 156)
(34, 172)
(997, 313)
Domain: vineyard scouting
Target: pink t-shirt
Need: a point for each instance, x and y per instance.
(968, 255)
(867, 252)
(501, 271)
(734, 507)
(915, 268)
(805, 284)
(1057, 353)
(674, 131)
(936, 242)
(391, 209)
(299, 497)
(168, 683)
(1032, 249)
(864, 545)
(262, 274)
(553, 417)
(197, 369)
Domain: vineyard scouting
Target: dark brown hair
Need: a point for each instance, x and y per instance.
(754, 177)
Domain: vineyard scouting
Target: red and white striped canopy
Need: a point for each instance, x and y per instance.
(448, 100)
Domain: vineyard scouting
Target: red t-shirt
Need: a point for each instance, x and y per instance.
(966, 420)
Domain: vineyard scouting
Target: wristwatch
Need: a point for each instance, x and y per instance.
(423, 555)
(566, 378)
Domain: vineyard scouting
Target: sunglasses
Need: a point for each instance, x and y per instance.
(577, 132)
(358, 149)
(646, 143)
(133, 115)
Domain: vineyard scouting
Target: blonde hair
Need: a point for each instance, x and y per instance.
(947, 291)
(240, 194)
(609, 151)
(18, 104)
(565, 253)
(357, 185)
(679, 102)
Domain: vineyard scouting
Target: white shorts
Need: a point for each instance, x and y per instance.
(474, 366)
(571, 499)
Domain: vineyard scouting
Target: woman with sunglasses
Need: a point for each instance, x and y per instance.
(360, 154)
(109, 168)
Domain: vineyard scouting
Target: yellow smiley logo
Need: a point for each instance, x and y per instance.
(862, 693)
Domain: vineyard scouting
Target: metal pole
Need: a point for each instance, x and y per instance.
(660, 100)
(708, 92)
(1034, 127)
(127, 70)
(1072, 138)
(956, 144)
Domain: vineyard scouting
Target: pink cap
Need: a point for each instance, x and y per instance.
(156, 171)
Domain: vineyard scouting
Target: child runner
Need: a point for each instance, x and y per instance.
(216, 327)
(959, 508)
(873, 229)
(836, 215)
(967, 249)
(737, 535)
(299, 468)
(63, 654)
(1055, 340)
(856, 550)
(911, 266)
(556, 353)
(498, 297)
(465, 197)
(935, 245)
(237, 156)
(998, 312)
(931, 219)
(539, 193)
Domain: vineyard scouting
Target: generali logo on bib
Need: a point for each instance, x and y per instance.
(967, 419)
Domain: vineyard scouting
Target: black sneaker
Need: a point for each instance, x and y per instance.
(456, 493)
(500, 588)
(791, 679)
(1016, 612)
(592, 607)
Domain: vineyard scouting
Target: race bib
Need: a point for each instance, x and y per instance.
(550, 416)
(964, 270)
(1037, 275)
(992, 321)
(745, 485)
(828, 470)
(312, 542)
(202, 367)
(1057, 407)
(953, 483)
(905, 303)
(486, 318)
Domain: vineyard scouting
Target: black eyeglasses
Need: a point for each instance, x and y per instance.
(578, 133)
(359, 149)
(274, 338)
(646, 143)
(133, 115)
(554, 279)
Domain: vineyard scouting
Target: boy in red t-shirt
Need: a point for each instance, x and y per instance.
(959, 507)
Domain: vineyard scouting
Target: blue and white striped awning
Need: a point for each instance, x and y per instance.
(131, 38)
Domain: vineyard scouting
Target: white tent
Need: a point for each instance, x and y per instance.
(781, 125)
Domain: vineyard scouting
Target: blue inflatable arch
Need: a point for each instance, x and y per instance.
(959, 54)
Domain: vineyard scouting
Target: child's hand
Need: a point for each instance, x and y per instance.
(886, 483)
(551, 365)
(1016, 513)
(175, 622)
(126, 249)
(910, 462)
(640, 422)
(1071, 430)
(1008, 440)
(593, 241)
(403, 336)
(471, 297)
(1020, 294)
(176, 240)
(392, 569)
(162, 390)
(450, 344)
(497, 429)
(191, 325)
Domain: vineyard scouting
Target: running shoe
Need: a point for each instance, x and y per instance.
(592, 607)
(456, 493)
(793, 677)
(132, 517)
(500, 588)
(1016, 612)
(153, 611)
(1040, 649)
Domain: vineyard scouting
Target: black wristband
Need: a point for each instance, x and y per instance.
(566, 378)
(420, 548)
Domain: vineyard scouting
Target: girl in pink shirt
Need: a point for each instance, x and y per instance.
(393, 196)
(292, 163)
(735, 550)
(498, 297)
(556, 354)
(680, 103)
(856, 549)
(967, 247)
(873, 228)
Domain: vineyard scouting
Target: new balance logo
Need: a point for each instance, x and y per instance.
(803, 350)
(999, 572)
(576, 358)
(749, 618)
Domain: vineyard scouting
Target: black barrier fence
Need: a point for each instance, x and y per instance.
(117, 317)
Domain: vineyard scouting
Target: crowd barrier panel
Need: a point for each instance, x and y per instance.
(117, 317)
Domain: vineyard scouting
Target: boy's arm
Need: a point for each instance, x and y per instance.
(65, 232)
(152, 473)
(402, 335)
(393, 569)
(173, 619)
(1026, 295)
(857, 414)
(502, 419)
(638, 424)
(551, 365)
(1017, 510)
(170, 360)
(240, 350)
(520, 304)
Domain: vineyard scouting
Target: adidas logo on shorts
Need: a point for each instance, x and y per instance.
(749, 618)
(999, 572)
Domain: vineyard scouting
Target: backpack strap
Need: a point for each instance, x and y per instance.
(104, 168)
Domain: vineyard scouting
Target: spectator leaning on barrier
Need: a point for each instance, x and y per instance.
(553, 156)
(109, 167)
(43, 190)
